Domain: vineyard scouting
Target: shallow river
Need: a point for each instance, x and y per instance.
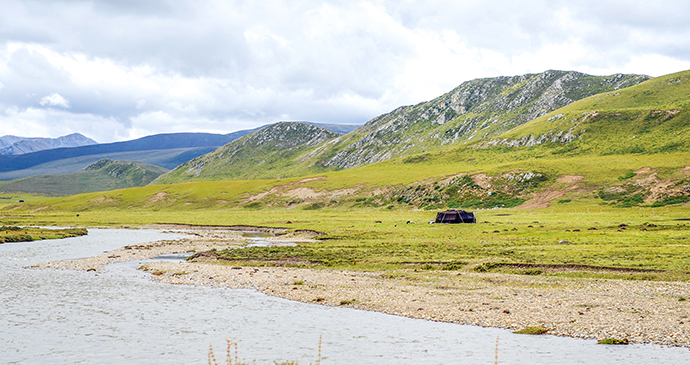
(119, 317)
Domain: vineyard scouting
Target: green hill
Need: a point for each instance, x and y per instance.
(102, 175)
(266, 153)
(475, 110)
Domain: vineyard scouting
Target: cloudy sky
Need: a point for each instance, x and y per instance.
(122, 69)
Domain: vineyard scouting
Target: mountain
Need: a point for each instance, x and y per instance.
(255, 155)
(103, 175)
(6, 141)
(12, 145)
(475, 110)
(164, 150)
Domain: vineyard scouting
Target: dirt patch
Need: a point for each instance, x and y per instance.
(305, 193)
(570, 179)
(647, 181)
(644, 171)
(302, 193)
(280, 188)
(541, 199)
(157, 197)
(686, 170)
(482, 180)
(103, 200)
(661, 189)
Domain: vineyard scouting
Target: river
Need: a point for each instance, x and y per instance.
(118, 316)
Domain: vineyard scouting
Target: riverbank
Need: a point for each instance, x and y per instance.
(640, 311)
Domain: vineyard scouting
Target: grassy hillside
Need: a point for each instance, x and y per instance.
(477, 109)
(262, 154)
(474, 110)
(103, 175)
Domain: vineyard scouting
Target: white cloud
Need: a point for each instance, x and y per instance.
(160, 66)
(55, 99)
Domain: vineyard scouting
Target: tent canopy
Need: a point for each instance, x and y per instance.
(455, 216)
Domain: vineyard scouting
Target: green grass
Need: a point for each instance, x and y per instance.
(653, 239)
(25, 234)
(537, 330)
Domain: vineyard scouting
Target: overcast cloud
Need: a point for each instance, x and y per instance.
(116, 70)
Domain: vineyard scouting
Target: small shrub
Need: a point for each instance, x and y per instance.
(682, 299)
(453, 266)
(298, 282)
(254, 205)
(532, 272)
(314, 206)
(671, 200)
(536, 330)
(613, 341)
(487, 266)
(628, 175)
(348, 301)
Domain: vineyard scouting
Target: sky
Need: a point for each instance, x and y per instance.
(122, 69)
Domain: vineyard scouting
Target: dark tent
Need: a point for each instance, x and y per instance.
(455, 216)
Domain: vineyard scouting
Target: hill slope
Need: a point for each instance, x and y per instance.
(254, 156)
(474, 110)
(103, 175)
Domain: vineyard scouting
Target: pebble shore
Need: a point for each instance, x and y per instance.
(639, 311)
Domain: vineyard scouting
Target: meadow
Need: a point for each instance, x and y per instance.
(581, 240)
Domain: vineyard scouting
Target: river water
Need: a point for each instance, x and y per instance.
(119, 317)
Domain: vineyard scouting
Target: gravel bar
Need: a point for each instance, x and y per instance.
(639, 311)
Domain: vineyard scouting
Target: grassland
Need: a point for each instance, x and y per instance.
(577, 241)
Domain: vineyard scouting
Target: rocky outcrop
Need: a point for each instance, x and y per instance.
(247, 156)
(476, 109)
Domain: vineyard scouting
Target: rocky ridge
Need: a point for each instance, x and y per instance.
(247, 157)
(477, 109)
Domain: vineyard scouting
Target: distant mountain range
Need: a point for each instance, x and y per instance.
(13, 145)
(164, 150)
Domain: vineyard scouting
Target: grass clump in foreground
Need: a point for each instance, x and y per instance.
(229, 359)
(536, 330)
(612, 341)
(27, 234)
